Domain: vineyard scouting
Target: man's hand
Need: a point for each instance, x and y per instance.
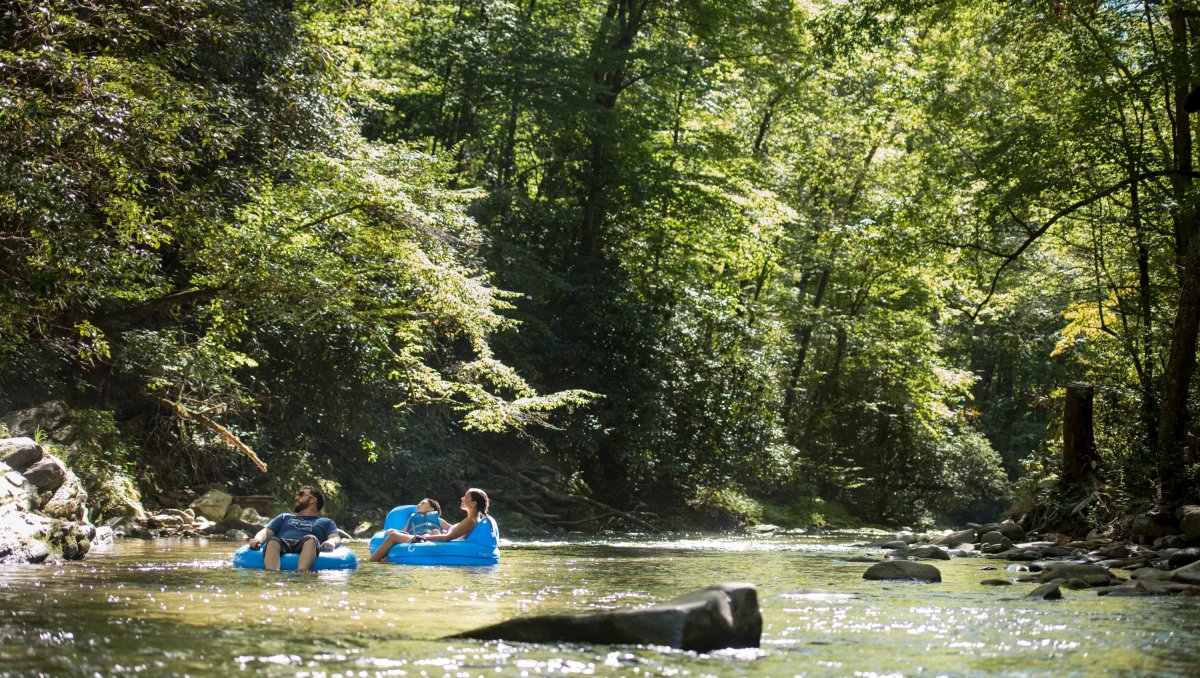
(328, 545)
(254, 543)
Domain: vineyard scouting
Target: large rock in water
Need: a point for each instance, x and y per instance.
(724, 615)
(903, 569)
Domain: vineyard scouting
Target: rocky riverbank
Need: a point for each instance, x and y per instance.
(1168, 565)
(43, 510)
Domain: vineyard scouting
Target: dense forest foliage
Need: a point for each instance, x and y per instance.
(660, 261)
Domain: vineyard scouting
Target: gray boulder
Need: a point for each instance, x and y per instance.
(1146, 528)
(725, 615)
(15, 490)
(1047, 591)
(1094, 575)
(54, 417)
(213, 504)
(1013, 531)
(20, 453)
(1183, 557)
(1150, 573)
(69, 501)
(120, 496)
(927, 552)
(1189, 521)
(1188, 574)
(48, 474)
(956, 538)
(903, 569)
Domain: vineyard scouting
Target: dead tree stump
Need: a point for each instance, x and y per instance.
(1079, 441)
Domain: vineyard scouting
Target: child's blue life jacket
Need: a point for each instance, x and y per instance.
(424, 523)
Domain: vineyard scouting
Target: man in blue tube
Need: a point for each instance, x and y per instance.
(302, 531)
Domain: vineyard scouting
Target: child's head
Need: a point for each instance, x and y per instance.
(426, 505)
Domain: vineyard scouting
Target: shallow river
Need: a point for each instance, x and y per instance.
(176, 607)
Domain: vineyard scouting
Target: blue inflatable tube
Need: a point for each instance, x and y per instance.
(341, 558)
(481, 547)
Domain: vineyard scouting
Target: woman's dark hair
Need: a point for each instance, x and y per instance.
(480, 498)
(316, 494)
(434, 503)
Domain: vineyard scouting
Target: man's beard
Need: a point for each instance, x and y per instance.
(300, 505)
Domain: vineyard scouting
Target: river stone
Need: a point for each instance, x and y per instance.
(20, 453)
(995, 582)
(903, 569)
(252, 517)
(47, 475)
(1189, 521)
(165, 520)
(69, 501)
(21, 535)
(104, 535)
(1048, 591)
(1150, 573)
(15, 490)
(1183, 557)
(1094, 575)
(1171, 541)
(994, 537)
(955, 538)
(50, 416)
(862, 559)
(213, 504)
(721, 616)
(364, 529)
(1013, 531)
(1188, 574)
(927, 552)
(119, 496)
(234, 512)
(1146, 528)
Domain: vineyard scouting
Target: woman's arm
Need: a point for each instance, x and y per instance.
(445, 525)
(460, 530)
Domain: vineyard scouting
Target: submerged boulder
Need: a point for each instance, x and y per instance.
(720, 616)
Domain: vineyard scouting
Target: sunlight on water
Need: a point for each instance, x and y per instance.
(173, 607)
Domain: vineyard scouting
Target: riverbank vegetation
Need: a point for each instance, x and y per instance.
(623, 262)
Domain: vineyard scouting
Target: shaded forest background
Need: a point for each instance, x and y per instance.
(689, 262)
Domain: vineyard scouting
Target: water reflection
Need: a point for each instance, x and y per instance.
(174, 607)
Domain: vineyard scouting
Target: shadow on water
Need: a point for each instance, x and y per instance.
(173, 607)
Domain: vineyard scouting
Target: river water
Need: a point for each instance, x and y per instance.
(176, 607)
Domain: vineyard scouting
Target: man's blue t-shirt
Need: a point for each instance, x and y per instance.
(291, 526)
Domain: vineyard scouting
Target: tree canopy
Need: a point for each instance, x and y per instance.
(698, 261)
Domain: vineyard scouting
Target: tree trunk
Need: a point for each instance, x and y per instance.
(1181, 361)
(619, 29)
(1079, 442)
(1176, 380)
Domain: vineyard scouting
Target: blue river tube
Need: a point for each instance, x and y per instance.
(481, 547)
(341, 558)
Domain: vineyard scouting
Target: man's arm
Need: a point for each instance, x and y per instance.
(262, 536)
(333, 540)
